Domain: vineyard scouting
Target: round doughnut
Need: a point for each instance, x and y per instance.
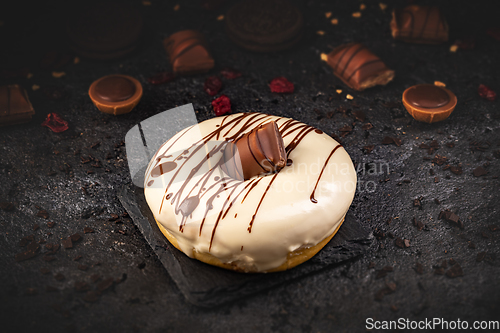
(263, 224)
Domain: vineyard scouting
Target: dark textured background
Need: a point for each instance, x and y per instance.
(42, 168)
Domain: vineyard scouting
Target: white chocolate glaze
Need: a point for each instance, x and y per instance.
(254, 223)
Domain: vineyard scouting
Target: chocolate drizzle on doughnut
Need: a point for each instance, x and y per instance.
(313, 199)
(187, 199)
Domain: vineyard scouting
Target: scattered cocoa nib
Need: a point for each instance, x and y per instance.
(83, 267)
(113, 217)
(359, 115)
(388, 140)
(419, 268)
(87, 230)
(418, 224)
(78, 257)
(388, 289)
(91, 296)
(81, 286)
(479, 171)
(493, 227)
(379, 234)
(451, 217)
(402, 243)
(457, 170)
(49, 258)
(51, 224)
(472, 245)
(383, 272)
(455, 271)
(7, 206)
(105, 284)
(31, 251)
(484, 235)
(439, 160)
(43, 213)
(368, 149)
(26, 240)
(436, 200)
(417, 203)
(450, 144)
(367, 126)
(75, 237)
(67, 243)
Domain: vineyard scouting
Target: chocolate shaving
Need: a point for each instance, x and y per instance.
(31, 251)
(388, 140)
(75, 237)
(67, 243)
(43, 213)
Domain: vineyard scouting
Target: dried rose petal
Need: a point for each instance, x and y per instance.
(281, 85)
(494, 32)
(221, 105)
(212, 85)
(486, 92)
(55, 123)
(230, 73)
(161, 78)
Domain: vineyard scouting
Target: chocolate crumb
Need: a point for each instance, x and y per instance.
(35, 227)
(49, 258)
(419, 268)
(75, 237)
(454, 271)
(31, 251)
(399, 243)
(83, 267)
(368, 149)
(44, 270)
(439, 160)
(59, 277)
(7, 206)
(78, 257)
(479, 171)
(94, 278)
(452, 261)
(105, 284)
(417, 203)
(50, 224)
(493, 227)
(113, 217)
(81, 286)
(480, 256)
(437, 201)
(91, 297)
(87, 230)
(439, 271)
(484, 235)
(43, 213)
(388, 140)
(472, 245)
(383, 272)
(67, 243)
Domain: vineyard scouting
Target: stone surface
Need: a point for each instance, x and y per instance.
(76, 175)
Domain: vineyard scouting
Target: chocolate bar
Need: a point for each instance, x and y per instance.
(15, 107)
(259, 152)
(419, 24)
(188, 52)
(358, 67)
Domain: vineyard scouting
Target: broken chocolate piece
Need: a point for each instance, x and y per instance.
(358, 67)
(479, 171)
(15, 107)
(259, 152)
(419, 24)
(188, 53)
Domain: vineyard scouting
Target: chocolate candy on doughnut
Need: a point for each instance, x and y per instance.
(259, 152)
(188, 52)
(419, 24)
(358, 67)
(429, 103)
(15, 107)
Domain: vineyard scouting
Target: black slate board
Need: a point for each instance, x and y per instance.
(206, 285)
